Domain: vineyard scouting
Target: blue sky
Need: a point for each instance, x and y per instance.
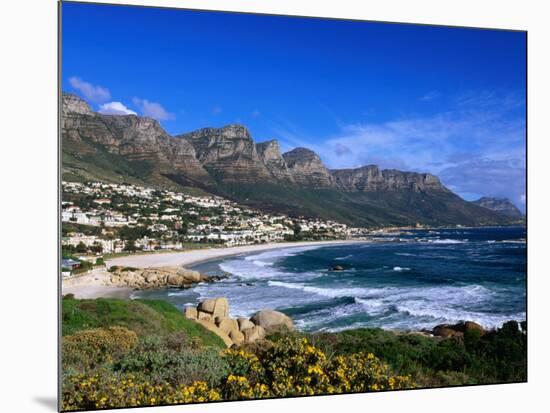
(450, 101)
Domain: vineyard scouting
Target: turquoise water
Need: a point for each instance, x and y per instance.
(413, 281)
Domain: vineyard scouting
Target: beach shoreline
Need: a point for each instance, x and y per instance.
(95, 285)
(199, 256)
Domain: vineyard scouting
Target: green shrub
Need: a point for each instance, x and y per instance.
(156, 360)
(495, 357)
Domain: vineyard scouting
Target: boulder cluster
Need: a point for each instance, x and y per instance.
(213, 314)
(151, 278)
(457, 330)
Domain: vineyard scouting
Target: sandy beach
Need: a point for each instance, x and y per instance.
(94, 284)
(193, 257)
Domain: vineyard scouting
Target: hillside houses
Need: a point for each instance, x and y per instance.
(132, 217)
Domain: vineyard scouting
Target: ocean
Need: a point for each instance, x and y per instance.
(411, 281)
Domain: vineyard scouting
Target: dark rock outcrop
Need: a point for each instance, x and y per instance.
(458, 330)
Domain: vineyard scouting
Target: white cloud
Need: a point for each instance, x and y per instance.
(487, 177)
(115, 108)
(153, 109)
(216, 110)
(92, 93)
(432, 143)
(434, 94)
(477, 147)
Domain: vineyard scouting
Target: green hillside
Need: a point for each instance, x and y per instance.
(85, 161)
(370, 209)
(144, 317)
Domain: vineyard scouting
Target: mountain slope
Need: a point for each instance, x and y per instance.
(116, 146)
(270, 154)
(307, 168)
(227, 162)
(501, 205)
(227, 153)
(371, 209)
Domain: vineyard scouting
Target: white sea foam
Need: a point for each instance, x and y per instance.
(176, 293)
(259, 282)
(344, 258)
(325, 292)
(318, 319)
(440, 304)
(251, 269)
(258, 266)
(372, 306)
(446, 314)
(262, 263)
(280, 253)
(447, 241)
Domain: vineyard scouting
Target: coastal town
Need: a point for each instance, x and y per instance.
(104, 218)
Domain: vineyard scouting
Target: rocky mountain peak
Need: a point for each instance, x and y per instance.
(227, 159)
(133, 137)
(307, 168)
(371, 178)
(501, 205)
(235, 131)
(301, 156)
(270, 154)
(71, 103)
(269, 150)
(411, 180)
(229, 152)
(228, 132)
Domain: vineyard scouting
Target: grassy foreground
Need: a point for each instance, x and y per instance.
(118, 353)
(144, 317)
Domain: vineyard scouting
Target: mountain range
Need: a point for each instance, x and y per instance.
(226, 161)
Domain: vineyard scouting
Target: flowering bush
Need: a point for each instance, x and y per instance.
(113, 390)
(90, 348)
(294, 367)
(243, 363)
(291, 367)
(239, 388)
